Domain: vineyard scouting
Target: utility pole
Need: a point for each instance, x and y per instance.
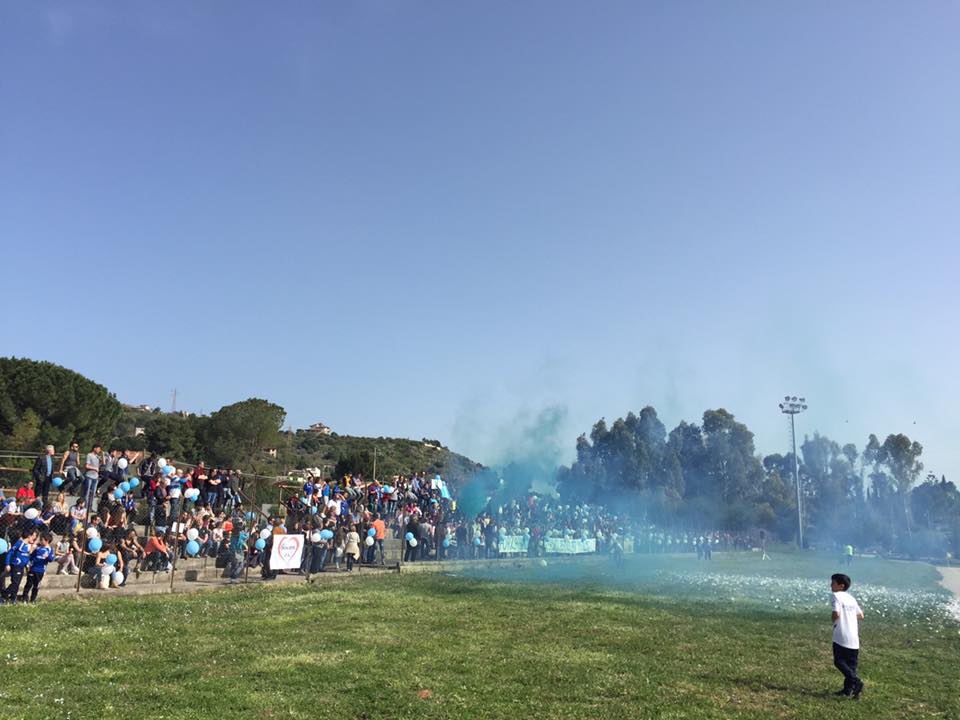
(792, 406)
(173, 404)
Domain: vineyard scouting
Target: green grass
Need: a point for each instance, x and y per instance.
(431, 646)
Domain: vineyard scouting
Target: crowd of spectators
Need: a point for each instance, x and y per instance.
(199, 511)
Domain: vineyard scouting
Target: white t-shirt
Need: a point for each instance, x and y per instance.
(846, 629)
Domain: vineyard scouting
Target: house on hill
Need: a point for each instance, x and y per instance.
(320, 428)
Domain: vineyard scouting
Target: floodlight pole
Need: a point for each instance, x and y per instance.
(792, 406)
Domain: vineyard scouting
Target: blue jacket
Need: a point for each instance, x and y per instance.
(19, 555)
(39, 559)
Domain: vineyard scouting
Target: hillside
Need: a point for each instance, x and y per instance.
(334, 454)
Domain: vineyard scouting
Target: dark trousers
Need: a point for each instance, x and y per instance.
(43, 488)
(32, 587)
(845, 660)
(15, 576)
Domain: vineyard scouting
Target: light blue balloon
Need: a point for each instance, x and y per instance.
(371, 532)
(193, 547)
(408, 537)
(260, 544)
(168, 469)
(111, 559)
(94, 545)
(446, 542)
(326, 534)
(125, 486)
(478, 542)
(118, 494)
(57, 481)
(313, 509)
(3, 546)
(134, 482)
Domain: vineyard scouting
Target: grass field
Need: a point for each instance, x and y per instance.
(660, 639)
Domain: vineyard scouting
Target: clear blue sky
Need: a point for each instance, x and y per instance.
(438, 218)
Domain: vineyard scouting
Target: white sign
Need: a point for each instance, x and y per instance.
(286, 552)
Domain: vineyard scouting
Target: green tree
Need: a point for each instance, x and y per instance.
(69, 406)
(236, 435)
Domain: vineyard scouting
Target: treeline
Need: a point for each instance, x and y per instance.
(710, 475)
(43, 403)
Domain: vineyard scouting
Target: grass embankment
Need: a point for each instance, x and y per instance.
(427, 646)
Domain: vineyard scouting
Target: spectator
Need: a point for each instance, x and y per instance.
(43, 473)
(26, 495)
(352, 550)
(157, 553)
(70, 468)
(91, 476)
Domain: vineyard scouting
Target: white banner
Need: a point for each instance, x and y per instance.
(286, 552)
(513, 544)
(569, 546)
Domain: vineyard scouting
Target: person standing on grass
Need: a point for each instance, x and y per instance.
(39, 558)
(846, 635)
(18, 557)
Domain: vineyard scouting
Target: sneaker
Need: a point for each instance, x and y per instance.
(857, 691)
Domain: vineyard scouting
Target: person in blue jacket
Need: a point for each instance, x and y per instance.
(39, 558)
(18, 557)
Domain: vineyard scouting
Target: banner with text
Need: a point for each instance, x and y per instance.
(287, 552)
(569, 546)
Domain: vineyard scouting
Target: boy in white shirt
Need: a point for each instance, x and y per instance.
(846, 635)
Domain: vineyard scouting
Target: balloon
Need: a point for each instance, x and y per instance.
(118, 577)
(168, 470)
(3, 546)
(174, 492)
(94, 544)
(107, 569)
(111, 559)
(31, 514)
(446, 542)
(316, 536)
(161, 463)
(134, 482)
(260, 544)
(193, 534)
(371, 532)
(326, 534)
(193, 547)
(313, 509)
(57, 481)
(477, 541)
(118, 494)
(369, 541)
(92, 533)
(125, 486)
(408, 537)
(413, 543)
(122, 463)
(228, 526)
(387, 489)
(265, 533)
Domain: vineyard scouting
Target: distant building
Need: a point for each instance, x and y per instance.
(272, 452)
(320, 428)
(139, 431)
(145, 408)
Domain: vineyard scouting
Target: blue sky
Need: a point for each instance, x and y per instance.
(437, 219)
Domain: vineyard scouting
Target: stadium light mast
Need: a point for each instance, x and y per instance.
(792, 406)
